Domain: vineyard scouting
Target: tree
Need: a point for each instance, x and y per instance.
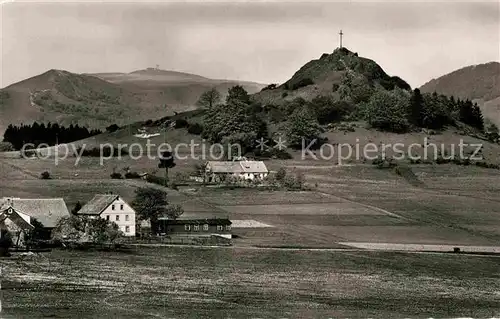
(102, 231)
(302, 126)
(77, 208)
(83, 229)
(45, 175)
(328, 111)
(209, 98)
(151, 203)
(234, 123)
(388, 111)
(166, 162)
(237, 93)
(416, 105)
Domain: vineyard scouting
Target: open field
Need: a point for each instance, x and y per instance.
(190, 282)
(455, 206)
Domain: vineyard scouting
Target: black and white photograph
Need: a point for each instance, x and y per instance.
(275, 159)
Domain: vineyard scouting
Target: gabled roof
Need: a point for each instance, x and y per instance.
(97, 204)
(237, 167)
(47, 211)
(225, 167)
(253, 166)
(8, 212)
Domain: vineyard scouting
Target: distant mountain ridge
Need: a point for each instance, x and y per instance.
(97, 100)
(479, 83)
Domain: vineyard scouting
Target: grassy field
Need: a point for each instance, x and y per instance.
(456, 205)
(191, 282)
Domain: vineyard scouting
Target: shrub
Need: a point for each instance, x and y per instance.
(6, 147)
(181, 123)
(148, 122)
(284, 94)
(132, 175)
(106, 151)
(270, 87)
(5, 244)
(335, 87)
(45, 175)
(280, 174)
(116, 175)
(301, 83)
(112, 128)
(195, 128)
(157, 180)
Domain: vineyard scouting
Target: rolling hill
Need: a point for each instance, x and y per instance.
(480, 83)
(97, 100)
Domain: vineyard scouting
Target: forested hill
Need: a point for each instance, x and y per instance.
(480, 83)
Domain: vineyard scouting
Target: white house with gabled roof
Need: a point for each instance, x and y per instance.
(112, 208)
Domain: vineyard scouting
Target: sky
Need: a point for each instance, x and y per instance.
(258, 41)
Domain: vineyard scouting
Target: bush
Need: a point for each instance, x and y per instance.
(5, 244)
(157, 180)
(284, 94)
(106, 151)
(181, 123)
(45, 175)
(132, 175)
(112, 128)
(116, 175)
(195, 128)
(270, 87)
(6, 147)
(302, 83)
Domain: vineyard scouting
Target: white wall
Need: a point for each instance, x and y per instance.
(122, 210)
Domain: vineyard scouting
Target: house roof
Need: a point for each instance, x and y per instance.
(15, 217)
(47, 211)
(199, 219)
(97, 204)
(237, 167)
(209, 221)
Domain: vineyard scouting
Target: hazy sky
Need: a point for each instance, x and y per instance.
(260, 41)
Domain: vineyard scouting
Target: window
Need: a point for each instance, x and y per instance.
(121, 206)
(196, 227)
(112, 207)
(228, 227)
(220, 227)
(127, 229)
(117, 217)
(205, 227)
(126, 217)
(107, 217)
(187, 227)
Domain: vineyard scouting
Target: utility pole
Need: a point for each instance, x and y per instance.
(341, 34)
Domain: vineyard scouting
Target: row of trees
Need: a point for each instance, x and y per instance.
(49, 134)
(400, 110)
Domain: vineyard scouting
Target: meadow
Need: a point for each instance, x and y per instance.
(455, 205)
(191, 282)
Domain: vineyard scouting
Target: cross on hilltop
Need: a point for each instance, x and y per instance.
(341, 34)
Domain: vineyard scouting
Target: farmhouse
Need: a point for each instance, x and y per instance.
(112, 208)
(217, 171)
(195, 225)
(18, 215)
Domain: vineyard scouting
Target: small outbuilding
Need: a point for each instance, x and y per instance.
(195, 225)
